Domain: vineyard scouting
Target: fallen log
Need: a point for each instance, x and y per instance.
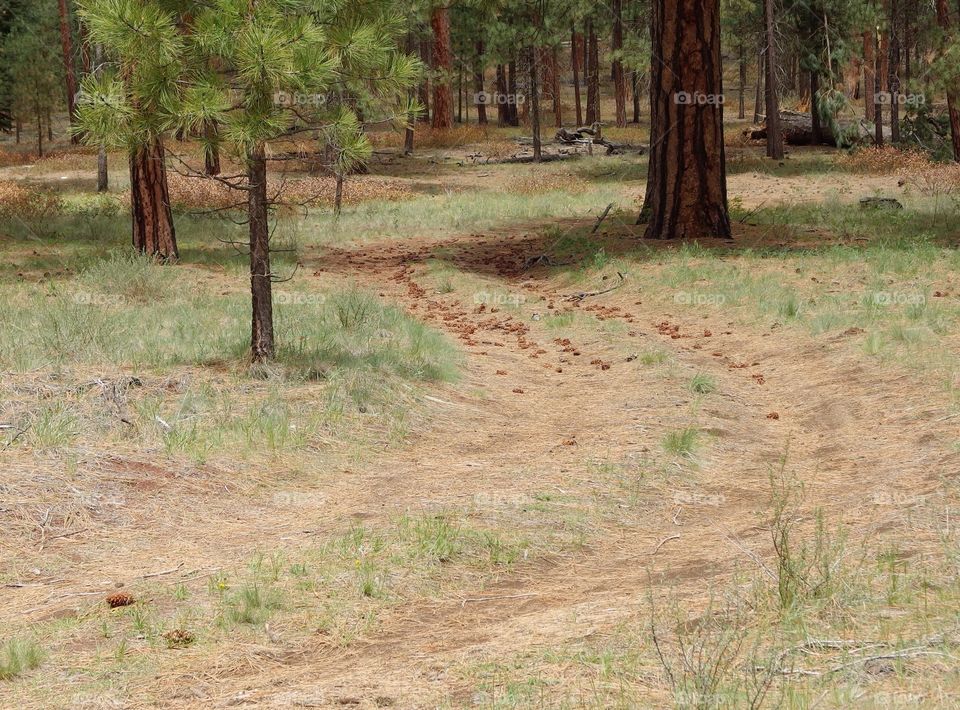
(798, 130)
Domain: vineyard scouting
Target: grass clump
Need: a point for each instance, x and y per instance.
(18, 656)
(681, 442)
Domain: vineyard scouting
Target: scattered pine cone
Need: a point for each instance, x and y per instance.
(179, 638)
(120, 599)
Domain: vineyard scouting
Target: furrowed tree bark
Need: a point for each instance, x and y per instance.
(153, 230)
(686, 195)
(70, 77)
(953, 95)
(575, 44)
(593, 75)
(619, 81)
(443, 63)
(774, 136)
(262, 346)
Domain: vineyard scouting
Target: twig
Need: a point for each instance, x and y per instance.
(601, 218)
(490, 599)
(587, 294)
(160, 574)
(663, 542)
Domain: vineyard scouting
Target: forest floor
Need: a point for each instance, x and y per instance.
(625, 474)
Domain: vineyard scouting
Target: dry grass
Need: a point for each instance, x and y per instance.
(25, 202)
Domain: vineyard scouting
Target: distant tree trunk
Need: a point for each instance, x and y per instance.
(593, 75)
(758, 94)
(575, 44)
(774, 135)
(18, 129)
(535, 105)
(39, 134)
(877, 88)
(512, 91)
(686, 194)
(742, 112)
(261, 283)
(153, 230)
(478, 85)
(619, 82)
(635, 91)
(816, 133)
(70, 77)
(49, 126)
(443, 63)
(459, 93)
(103, 177)
(869, 74)
(894, 71)
(953, 108)
(211, 153)
(426, 58)
(552, 78)
(503, 110)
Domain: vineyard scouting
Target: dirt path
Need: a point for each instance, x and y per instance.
(857, 433)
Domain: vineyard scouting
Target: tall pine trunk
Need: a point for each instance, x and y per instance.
(503, 110)
(816, 132)
(686, 194)
(70, 77)
(953, 95)
(758, 94)
(443, 63)
(575, 51)
(893, 68)
(153, 230)
(424, 88)
(512, 91)
(262, 346)
(593, 75)
(535, 105)
(211, 153)
(103, 177)
(742, 60)
(619, 81)
(869, 74)
(877, 88)
(478, 84)
(774, 134)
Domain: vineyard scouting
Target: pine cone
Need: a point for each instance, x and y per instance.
(120, 599)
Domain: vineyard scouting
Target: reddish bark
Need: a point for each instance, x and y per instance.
(153, 230)
(443, 64)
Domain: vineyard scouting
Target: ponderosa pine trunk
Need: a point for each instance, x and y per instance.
(893, 68)
(424, 88)
(443, 64)
(877, 88)
(869, 74)
(503, 110)
(211, 153)
(478, 84)
(742, 60)
(953, 95)
(619, 81)
(535, 105)
(153, 230)
(593, 75)
(816, 132)
(774, 134)
(575, 44)
(70, 77)
(686, 195)
(513, 96)
(103, 176)
(262, 346)
(758, 94)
